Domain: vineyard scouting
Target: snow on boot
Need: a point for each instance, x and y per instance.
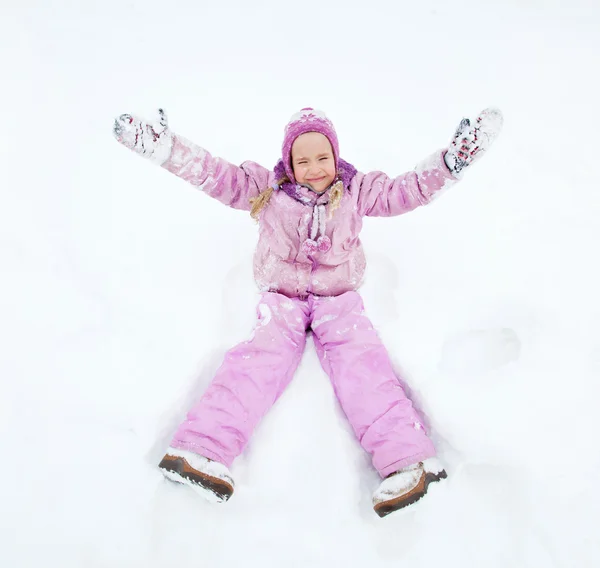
(470, 142)
(208, 478)
(406, 486)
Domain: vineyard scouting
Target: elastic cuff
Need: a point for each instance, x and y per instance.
(400, 464)
(197, 449)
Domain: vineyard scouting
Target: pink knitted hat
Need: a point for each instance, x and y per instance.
(307, 120)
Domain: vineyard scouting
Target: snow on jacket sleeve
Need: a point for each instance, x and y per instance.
(382, 196)
(229, 184)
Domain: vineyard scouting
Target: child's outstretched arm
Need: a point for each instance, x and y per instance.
(230, 184)
(382, 196)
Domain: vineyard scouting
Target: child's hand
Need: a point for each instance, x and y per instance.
(471, 141)
(152, 140)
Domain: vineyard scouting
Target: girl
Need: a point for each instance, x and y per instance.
(308, 264)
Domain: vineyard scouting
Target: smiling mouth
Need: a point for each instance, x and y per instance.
(316, 179)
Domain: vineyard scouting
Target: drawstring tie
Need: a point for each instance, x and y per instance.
(318, 241)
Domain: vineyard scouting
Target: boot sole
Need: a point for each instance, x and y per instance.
(386, 507)
(179, 470)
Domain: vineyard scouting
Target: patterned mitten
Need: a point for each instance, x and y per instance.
(153, 140)
(470, 142)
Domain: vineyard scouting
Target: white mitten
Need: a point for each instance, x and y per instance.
(470, 142)
(153, 140)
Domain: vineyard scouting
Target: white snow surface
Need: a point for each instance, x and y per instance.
(122, 287)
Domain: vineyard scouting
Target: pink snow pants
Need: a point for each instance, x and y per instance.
(255, 373)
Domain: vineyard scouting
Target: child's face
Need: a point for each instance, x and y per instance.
(313, 161)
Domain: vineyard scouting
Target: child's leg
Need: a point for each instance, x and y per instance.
(251, 378)
(383, 418)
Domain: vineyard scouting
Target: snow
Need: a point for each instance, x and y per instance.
(396, 485)
(265, 315)
(122, 287)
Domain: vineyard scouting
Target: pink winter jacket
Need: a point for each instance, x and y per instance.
(280, 263)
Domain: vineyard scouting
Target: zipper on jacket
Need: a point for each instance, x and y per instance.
(312, 270)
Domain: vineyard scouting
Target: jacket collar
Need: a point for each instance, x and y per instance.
(305, 194)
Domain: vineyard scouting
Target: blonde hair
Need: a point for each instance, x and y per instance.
(335, 197)
(260, 202)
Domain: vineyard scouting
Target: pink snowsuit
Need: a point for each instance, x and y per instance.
(306, 290)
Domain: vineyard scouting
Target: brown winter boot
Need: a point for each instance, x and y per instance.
(208, 478)
(406, 486)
